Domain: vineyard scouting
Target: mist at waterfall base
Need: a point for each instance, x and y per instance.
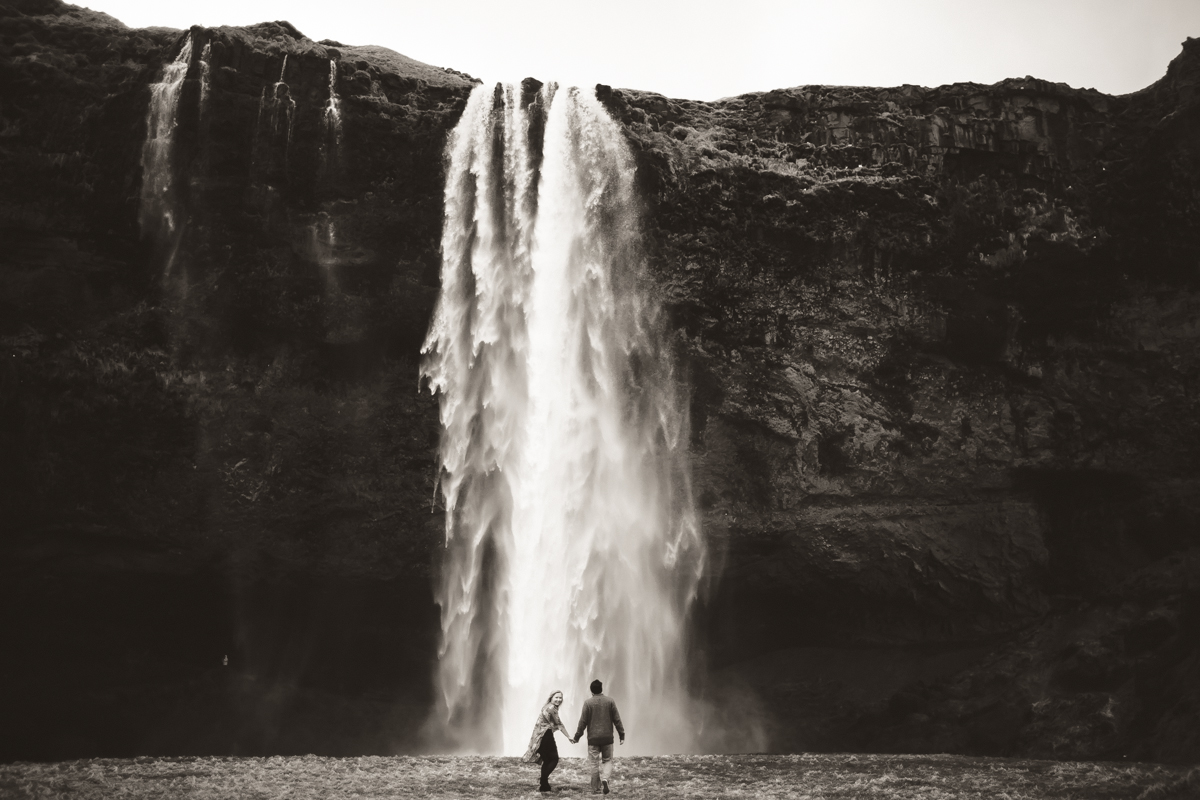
(573, 550)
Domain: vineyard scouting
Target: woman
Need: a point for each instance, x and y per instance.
(542, 748)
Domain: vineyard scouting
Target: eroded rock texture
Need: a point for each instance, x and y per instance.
(229, 457)
(942, 354)
(943, 351)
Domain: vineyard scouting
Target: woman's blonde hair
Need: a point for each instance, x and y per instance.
(550, 699)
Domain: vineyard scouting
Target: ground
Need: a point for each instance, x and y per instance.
(660, 777)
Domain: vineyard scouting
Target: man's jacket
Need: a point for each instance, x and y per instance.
(599, 716)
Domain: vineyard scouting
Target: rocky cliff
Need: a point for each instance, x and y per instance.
(942, 353)
(943, 348)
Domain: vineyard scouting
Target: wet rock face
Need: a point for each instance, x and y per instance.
(941, 346)
(218, 471)
(933, 293)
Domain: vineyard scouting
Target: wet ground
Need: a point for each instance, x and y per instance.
(660, 777)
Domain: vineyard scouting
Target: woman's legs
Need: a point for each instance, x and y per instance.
(549, 753)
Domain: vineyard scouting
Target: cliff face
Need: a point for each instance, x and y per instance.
(941, 346)
(213, 442)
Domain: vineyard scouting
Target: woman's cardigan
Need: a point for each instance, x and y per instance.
(547, 721)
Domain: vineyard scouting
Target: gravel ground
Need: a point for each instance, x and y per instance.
(659, 777)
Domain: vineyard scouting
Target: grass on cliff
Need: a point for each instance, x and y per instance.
(662, 777)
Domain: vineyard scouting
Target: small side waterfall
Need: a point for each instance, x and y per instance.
(333, 108)
(572, 547)
(159, 211)
(331, 146)
(277, 105)
(283, 102)
(322, 245)
(205, 75)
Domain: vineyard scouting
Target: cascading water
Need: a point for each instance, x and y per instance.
(333, 108)
(572, 547)
(158, 210)
(283, 102)
(331, 146)
(277, 103)
(205, 75)
(322, 245)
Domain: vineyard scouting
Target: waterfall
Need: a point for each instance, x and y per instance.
(333, 108)
(572, 547)
(205, 75)
(333, 125)
(158, 211)
(282, 96)
(277, 103)
(322, 246)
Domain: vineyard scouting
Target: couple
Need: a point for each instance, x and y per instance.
(598, 718)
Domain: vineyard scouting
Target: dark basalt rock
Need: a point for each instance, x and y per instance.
(941, 346)
(241, 469)
(943, 340)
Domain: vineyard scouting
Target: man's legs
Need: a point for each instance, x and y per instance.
(595, 756)
(606, 754)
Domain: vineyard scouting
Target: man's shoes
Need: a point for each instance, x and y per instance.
(605, 785)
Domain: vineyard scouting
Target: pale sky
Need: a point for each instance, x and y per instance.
(706, 50)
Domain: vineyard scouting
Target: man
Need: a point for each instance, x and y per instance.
(598, 718)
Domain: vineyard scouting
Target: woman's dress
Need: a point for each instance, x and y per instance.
(547, 720)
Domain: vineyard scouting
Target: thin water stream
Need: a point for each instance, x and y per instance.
(158, 210)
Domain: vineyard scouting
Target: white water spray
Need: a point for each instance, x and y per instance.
(158, 210)
(322, 245)
(572, 547)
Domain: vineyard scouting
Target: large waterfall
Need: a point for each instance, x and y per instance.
(572, 547)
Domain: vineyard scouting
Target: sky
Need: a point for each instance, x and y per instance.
(707, 50)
